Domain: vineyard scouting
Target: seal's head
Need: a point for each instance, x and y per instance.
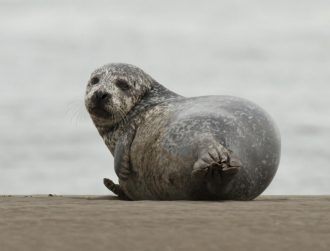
(113, 90)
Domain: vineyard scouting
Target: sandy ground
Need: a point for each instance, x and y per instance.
(104, 223)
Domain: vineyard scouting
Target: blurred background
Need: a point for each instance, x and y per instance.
(275, 53)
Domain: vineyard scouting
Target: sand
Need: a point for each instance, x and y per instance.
(104, 223)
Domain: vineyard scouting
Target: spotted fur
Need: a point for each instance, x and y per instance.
(168, 147)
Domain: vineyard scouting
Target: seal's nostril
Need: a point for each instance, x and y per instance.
(101, 96)
(104, 96)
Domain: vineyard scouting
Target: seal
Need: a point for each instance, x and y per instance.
(169, 147)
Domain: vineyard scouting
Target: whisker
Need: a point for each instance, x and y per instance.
(75, 111)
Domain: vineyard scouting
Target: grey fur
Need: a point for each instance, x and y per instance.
(168, 147)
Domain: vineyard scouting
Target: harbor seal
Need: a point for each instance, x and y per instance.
(169, 147)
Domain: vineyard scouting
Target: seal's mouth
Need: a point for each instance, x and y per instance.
(99, 112)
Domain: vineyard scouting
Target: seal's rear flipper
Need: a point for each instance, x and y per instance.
(216, 163)
(115, 188)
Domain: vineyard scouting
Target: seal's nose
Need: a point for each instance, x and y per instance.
(100, 97)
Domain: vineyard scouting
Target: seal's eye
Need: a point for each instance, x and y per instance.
(95, 80)
(122, 84)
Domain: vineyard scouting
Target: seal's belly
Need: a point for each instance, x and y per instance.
(162, 168)
(166, 147)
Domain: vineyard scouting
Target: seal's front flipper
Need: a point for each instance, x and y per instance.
(115, 188)
(122, 162)
(122, 166)
(216, 162)
(122, 155)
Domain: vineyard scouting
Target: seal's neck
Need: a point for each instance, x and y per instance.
(158, 94)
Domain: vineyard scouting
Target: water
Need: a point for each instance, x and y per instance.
(275, 53)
